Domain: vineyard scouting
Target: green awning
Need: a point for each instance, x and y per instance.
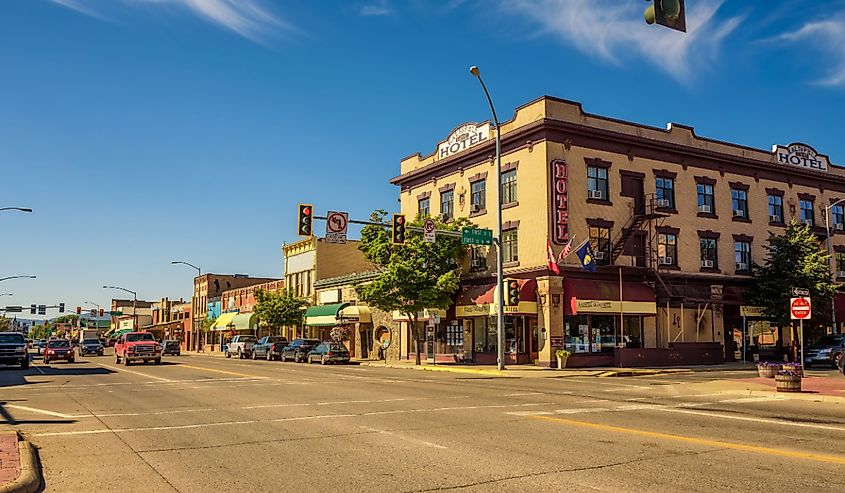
(223, 321)
(245, 321)
(323, 315)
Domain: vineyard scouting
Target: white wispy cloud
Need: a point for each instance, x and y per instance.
(249, 18)
(614, 31)
(828, 36)
(377, 8)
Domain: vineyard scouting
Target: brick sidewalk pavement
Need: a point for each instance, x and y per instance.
(10, 458)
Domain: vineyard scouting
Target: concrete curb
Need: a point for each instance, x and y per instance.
(796, 396)
(29, 480)
(642, 373)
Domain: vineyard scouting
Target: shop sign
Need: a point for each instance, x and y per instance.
(556, 341)
(463, 138)
(560, 206)
(524, 308)
(751, 311)
(801, 155)
(612, 306)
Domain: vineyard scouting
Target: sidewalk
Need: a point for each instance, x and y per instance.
(19, 470)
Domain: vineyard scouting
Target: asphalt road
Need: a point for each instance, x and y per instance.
(206, 424)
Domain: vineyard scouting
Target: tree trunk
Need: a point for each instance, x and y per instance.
(415, 331)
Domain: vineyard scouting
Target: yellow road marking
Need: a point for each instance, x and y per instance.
(227, 372)
(835, 459)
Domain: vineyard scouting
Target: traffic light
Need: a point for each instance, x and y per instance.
(32, 309)
(669, 13)
(61, 307)
(306, 219)
(511, 292)
(42, 309)
(102, 312)
(79, 310)
(398, 230)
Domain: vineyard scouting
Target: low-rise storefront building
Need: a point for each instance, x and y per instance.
(674, 221)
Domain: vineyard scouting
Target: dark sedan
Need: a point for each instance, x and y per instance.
(59, 349)
(298, 349)
(269, 347)
(91, 346)
(826, 351)
(329, 352)
(171, 348)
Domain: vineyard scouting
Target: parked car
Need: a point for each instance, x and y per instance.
(13, 349)
(329, 352)
(137, 346)
(842, 365)
(269, 347)
(826, 351)
(240, 346)
(39, 346)
(91, 346)
(59, 349)
(298, 349)
(171, 347)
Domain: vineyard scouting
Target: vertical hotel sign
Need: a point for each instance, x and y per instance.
(560, 203)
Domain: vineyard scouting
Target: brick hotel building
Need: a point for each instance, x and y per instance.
(675, 220)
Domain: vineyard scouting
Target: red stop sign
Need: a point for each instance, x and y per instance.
(800, 308)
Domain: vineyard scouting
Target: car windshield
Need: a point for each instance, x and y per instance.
(246, 339)
(828, 341)
(90, 342)
(10, 338)
(59, 343)
(276, 339)
(139, 337)
(171, 343)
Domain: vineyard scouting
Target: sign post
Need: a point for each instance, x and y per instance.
(800, 309)
(428, 231)
(337, 224)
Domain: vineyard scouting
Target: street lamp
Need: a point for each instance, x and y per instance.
(134, 304)
(16, 277)
(500, 322)
(830, 260)
(195, 309)
(22, 209)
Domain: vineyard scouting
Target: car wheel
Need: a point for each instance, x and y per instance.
(228, 354)
(254, 355)
(297, 358)
(240, 354)
(157, 361)
(125, 361)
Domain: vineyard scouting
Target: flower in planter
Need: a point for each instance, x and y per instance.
(562, 353)
(789, 373)
(769, 364)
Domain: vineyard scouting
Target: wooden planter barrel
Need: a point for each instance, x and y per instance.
(788, 383)
(796, 369)
(766, 371)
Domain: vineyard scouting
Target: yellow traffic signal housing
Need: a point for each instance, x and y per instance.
(306, 220)
(511, 292)
(669, 13)
(398, 229)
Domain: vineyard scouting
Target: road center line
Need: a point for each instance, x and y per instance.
(119, 370)
(43, 411)
(404, 437)
(756, 420)
(227, 372)
(835, 459)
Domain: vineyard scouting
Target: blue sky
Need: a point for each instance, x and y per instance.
(145, 131)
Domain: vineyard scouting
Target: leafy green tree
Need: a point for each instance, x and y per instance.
(5, 324)
(793, 259)
(38, 332)
(280, 308)
(70, 318)
(414, 276)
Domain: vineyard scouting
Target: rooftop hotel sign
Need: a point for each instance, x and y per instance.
(464, 137)
(802, 156)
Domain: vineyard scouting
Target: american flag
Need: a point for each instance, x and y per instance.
(566, 250)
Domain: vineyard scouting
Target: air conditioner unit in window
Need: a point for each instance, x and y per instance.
(595, 194)
(739, 213)
(662, 202)
(704, 208)
(839, 226)
(598, 255)
(741, 266)
(666, 261)
(774, 219)
(840, 273)
(478, 262)
(707, 264)
(475, 208)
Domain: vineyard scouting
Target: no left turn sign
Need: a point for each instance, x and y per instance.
(799, 308)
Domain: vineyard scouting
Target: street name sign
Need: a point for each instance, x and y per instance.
(475, 236)
(800, 309)
(428, 231)
(800, 292)
(337, 224)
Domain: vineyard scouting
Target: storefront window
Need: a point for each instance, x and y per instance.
(604, 333)
(510, 334)
(577, 334)
(454, 339)
(598, 333)
(632, 331)
(492, 341)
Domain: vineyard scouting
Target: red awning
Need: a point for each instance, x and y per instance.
(591, 289)
(482, 294)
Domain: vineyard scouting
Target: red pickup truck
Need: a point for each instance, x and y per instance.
(137, 346)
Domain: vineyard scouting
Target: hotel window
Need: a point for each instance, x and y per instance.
(709, 259)
(837, 218)
(597, 183)
(665, 192)
(742, 251)
(447, 205)
(667, 249)
(775, 209)
(706, 203)
(424, 207)
(509, 187)
(739, 203)
(509, 246)
(840, 264)
(807, 212)
(478, 196)
(600, 242)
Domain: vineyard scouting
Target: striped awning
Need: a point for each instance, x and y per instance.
(323, 315)
(223, 321)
